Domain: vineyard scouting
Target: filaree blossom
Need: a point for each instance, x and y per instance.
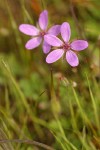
(37, 34)
(65, 46)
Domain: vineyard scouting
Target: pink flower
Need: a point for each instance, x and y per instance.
(64, 46)
(37, 34)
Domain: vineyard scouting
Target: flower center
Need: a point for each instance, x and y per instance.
(66, 46)
(42, 33)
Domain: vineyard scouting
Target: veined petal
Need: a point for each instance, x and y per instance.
(54, 55)
(33, 43)
(43, 20)
(46, 47)
(72, 58)
(54, 30)
(53, 40)
(79, 45)
(29, 29)
(65, 31)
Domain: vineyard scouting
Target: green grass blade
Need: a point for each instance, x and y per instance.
(94, 105)
(22, 97)
(84, 116)
(5, 146)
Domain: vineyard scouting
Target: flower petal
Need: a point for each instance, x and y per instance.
(72, 58)
(33, 43)
(29, 29)
(65, 31)
(79, 45)
(55, 30)
(46, 47)
(54, 55)
(43, 20)
(53, 40)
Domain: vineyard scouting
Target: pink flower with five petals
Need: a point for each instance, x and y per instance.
(37, 34)
(65, 46)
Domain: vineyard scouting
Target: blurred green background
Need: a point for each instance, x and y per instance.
(27, 105)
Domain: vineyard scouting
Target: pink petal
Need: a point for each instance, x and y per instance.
(33, 43)
(79, 45)
(46, 47)
(72, 58)
(54, 55)
(53, 40)
(55, 30)
(29, 29)
(43, 20)
(65, 31)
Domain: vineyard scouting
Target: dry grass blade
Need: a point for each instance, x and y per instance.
(31, 142)
(4, 146)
